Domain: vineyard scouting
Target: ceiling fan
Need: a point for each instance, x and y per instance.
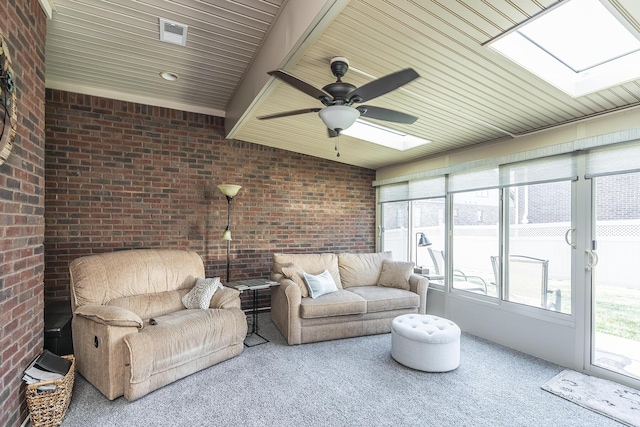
(338, 98)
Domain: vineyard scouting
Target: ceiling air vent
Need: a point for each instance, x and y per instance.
(173, 32)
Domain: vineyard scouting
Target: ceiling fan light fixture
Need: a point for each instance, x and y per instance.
(338, 117)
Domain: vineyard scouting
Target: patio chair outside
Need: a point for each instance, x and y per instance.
(462, 281)
(528, 282)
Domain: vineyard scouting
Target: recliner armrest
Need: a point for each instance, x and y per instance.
(225, 298)
(109, 315)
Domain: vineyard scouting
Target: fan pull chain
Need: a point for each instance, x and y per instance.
(337, 145)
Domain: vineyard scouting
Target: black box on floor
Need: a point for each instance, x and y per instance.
(57, 327)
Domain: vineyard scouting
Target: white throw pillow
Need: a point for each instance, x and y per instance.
(200, 295)
(321, 284)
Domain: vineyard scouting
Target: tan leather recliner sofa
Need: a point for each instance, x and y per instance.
(113, 297)
(360, 306)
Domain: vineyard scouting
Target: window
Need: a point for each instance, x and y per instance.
(409, 208)
(428, 218)
(509, 228)
(538, 266)
(580, 47)
(475, 241)
(475, 229)
(395, 228)
(535, 268)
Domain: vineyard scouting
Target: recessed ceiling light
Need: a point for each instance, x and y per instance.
(169, 75)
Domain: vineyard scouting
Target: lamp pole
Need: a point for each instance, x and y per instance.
(227, 232)
(421, 241)
(229, 190)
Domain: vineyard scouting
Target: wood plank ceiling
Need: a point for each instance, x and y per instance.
(467, 94)
(112, 48)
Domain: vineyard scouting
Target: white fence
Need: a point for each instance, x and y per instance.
(618, 248)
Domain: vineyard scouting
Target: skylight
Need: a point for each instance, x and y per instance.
(579, 47)
(383, 136)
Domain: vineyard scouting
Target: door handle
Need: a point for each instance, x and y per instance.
(566, 237)
(592, 261)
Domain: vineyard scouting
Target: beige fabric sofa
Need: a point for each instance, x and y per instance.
(113, 296)
(358, 307)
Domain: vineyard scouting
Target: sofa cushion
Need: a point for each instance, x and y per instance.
(181, 337)
(293, 271)
(201, 294)
(339, 303)
(395, 274)
(320, 284)
(380, 298)
(361, 269)
(310, 263)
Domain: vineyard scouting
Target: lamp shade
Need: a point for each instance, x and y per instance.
(338, 117)
(423, 240)
(229, 190)
(226, 235)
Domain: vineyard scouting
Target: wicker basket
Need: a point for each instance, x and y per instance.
(47, 408)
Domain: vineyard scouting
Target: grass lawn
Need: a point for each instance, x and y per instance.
(617, 308)
(618, 311)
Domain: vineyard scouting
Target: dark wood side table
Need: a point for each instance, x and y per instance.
(253, 285)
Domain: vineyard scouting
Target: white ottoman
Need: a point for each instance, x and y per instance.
(425, 342)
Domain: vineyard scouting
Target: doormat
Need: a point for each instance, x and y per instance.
(602, 396)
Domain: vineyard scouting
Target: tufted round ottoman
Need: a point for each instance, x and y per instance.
(425, 342)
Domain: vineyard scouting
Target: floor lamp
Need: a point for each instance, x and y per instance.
(421, 241)
(229, 190)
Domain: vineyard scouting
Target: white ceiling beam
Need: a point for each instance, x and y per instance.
(298, 25)
(47, 7)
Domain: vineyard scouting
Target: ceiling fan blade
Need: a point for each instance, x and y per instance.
(332, 133)
(380, 113)
(382, 85)
(289, 113)
(301, 85)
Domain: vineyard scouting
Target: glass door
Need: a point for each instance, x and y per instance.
(613, 260)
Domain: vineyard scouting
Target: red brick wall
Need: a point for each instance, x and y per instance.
(21, 210)
(121, 175)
